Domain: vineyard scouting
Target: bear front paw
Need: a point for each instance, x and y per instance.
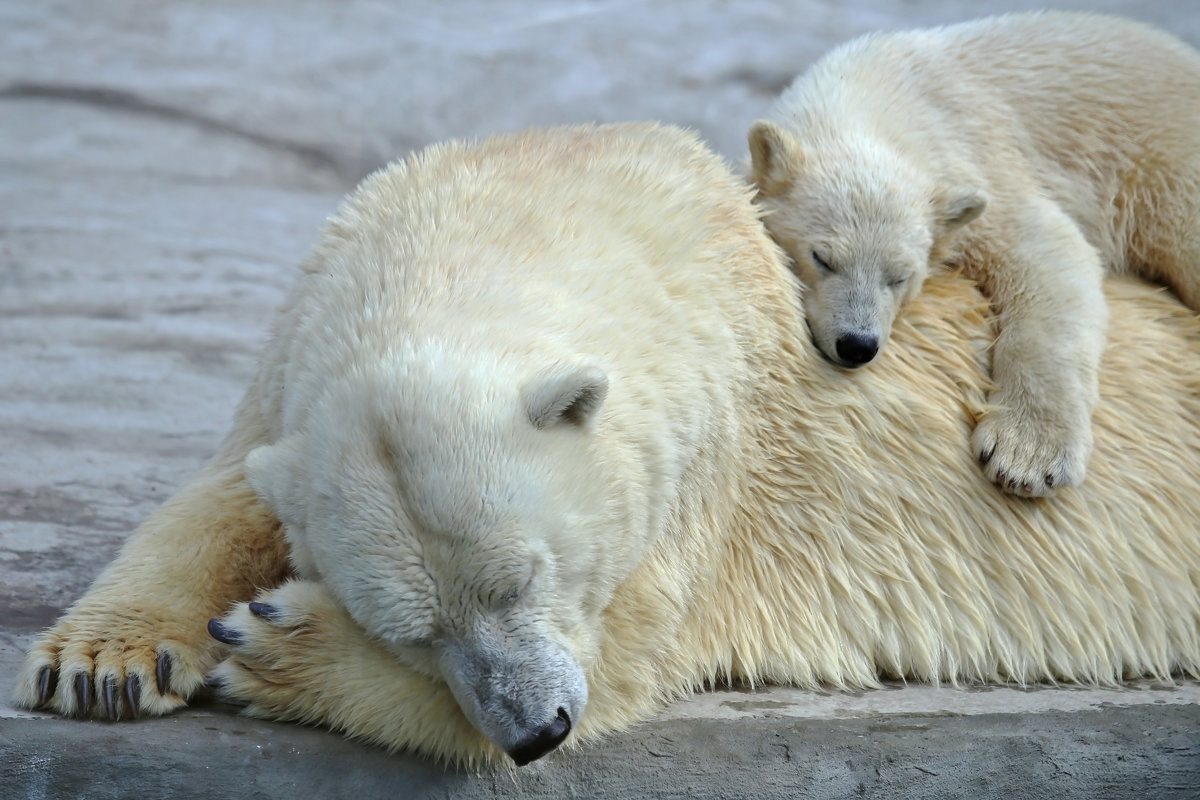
(296, 654)
(278, 649)
(1029, 459)
(110, 665)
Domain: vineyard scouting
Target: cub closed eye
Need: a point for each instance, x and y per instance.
(896, 283)
(821, 263)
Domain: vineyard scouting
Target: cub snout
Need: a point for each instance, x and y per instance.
(857, 349)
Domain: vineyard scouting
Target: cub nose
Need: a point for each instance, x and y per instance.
(543, 741)
(855, 350)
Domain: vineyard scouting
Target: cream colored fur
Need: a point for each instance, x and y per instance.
(729, 507)
(1030, 151)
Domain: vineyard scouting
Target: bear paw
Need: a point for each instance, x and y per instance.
(296, 654)
(115, 664)
(1028, 458)
(281, 649)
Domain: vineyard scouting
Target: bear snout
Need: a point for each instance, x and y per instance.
(856, 349)
(544, 741)
(524, 694)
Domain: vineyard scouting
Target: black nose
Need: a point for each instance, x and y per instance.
(544, 741)
(855, 350)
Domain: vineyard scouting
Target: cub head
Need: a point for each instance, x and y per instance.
(463, 513)
(859, 224)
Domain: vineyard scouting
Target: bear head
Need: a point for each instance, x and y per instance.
(459, 509)
(859, 224)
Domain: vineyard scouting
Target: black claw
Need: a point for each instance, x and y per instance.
(264, 610)
(223, 634)
(986, 457)
(47, 683)
(83, 692)
(110, 698)
(162, 673)
(1050, 479)
(133, 696)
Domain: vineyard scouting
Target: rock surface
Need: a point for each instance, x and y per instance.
(163, 167)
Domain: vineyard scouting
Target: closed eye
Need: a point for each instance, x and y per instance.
(820, 263)
(896, 283)
(421, 643)
(508, 593)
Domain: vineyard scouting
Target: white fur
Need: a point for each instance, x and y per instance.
(437, 466)
(544, 432)
(1030, 150)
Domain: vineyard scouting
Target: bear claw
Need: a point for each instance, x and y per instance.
(47, 683)
(264, 611)
(110, 698)
(83, 692)
(223, 634)
(133, 696)
(162, 673)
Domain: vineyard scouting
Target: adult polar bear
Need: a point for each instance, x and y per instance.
(540, 417)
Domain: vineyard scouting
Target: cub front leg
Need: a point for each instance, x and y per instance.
(1046, 282)
(296, 654)
(136, 644)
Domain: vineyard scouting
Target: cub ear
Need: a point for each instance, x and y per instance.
(957, 206)
(565, 395)
(273, 472)
(775, 157)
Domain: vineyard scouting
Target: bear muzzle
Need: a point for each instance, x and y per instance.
(526, 697)
(544, 741)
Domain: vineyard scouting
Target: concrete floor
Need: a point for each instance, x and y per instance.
(163, 165)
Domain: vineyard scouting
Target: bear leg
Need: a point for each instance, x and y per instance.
(136, 644)
(296, 654)
(1046, 283)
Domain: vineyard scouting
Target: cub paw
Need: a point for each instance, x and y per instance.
(1033, 455)
(112, 665)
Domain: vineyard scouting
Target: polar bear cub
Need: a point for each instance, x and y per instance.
(1031, 151)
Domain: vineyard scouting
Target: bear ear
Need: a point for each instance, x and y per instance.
(273, 473)
(775, 157)
(569, 395)
(957, 206)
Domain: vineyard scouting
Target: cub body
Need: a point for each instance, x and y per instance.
(1031, 151)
